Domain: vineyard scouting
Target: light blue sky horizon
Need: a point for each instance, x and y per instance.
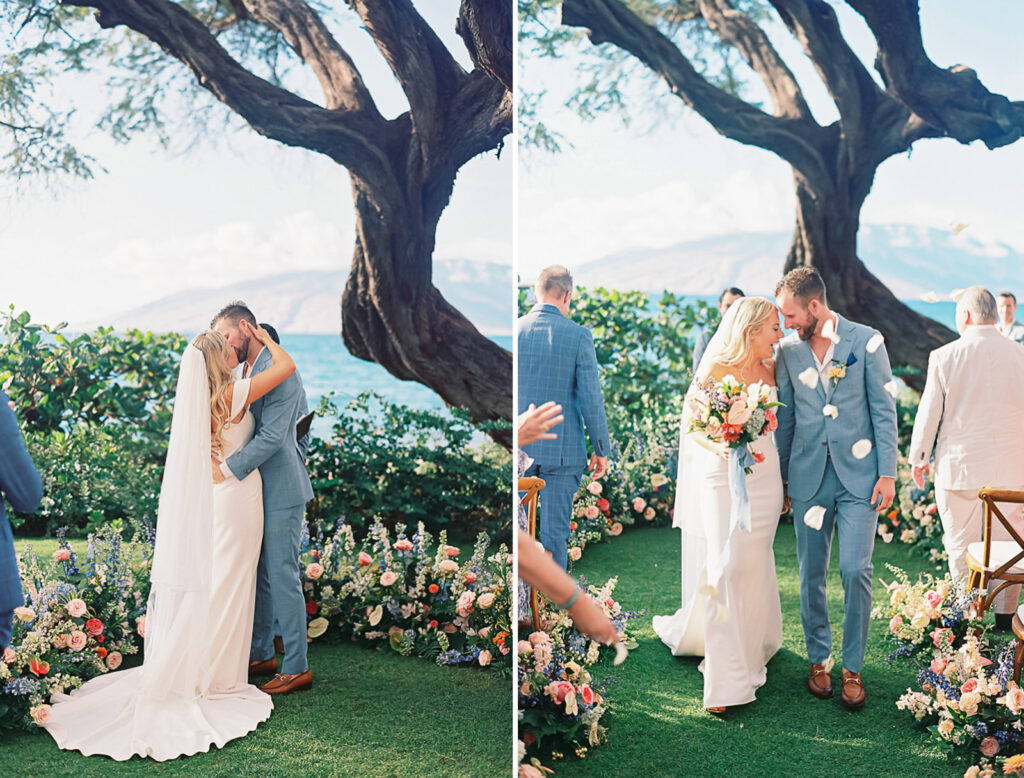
(670, 179)
(238, 206)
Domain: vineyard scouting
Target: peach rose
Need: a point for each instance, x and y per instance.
(484, 658)
(24, 614)
(639, 503)
(1015, 699)
(76, 608)
(616, 529)
(989, 746)
(524, 647)
(464, 605)
(595, 488)
(451, 551)
(114, 660)
(449, 566)
(9, 655)
(387, 578)
(470, 577)
(314, 570)
(77, 641)
(969, 686)
(485, 600)
(895, 623)
(365, 559)
(649, 514)
(62, 554)
(575, 553)
(40, 714)
(946, 728)
(772, 419)
(938, 664)
(61, 641)
(140, 626)
(403, 545)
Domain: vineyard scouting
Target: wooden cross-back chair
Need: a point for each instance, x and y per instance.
(532, 487)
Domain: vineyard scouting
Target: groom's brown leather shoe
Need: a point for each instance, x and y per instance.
(263, 666)
(820, 681)
(286, 684)
(853, 695)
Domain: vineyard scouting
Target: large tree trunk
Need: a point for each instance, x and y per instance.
(826, 239)
(393, 315)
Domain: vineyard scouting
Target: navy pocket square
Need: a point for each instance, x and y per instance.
(852, 359)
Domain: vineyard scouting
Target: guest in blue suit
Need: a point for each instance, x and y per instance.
(837, 448)
(557, 362)
(21, 485)
(286, 489)
(704, 335)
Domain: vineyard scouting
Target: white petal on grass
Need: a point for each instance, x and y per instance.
(861, 448)
(814, 517)
(887, 537)
(957, 227)
(621, 652)
(875, 343)
(892, 388)
(830, 410)
(809, 378)
(930, 297)
(828, 330)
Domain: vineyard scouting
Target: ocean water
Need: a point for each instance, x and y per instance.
(325, 365)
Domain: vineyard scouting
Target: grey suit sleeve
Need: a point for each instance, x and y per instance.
(786, 413)
(277, 424)
(19, 480)
(882, 407)
(588, 384)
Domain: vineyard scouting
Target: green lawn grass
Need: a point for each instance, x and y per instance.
(658, 726)
(370, 713)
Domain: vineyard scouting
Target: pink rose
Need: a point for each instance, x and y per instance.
(649, 513)
(938, 665)
(639, 503)
(895, 623)
(365, 559)
(94, 627)
(485, 600)
(314, 570)
(9, 655)
(595, 488)
(403, 545)
(969, 686)
(940, 636)
(559, 690)
(989, 746)
(484, 658)
(772, 419)
(524, 647)
(451, 551)
(470, 577)
(591, 512)
(586, 694)
(932, 599)
(76, 608)
(464, 606)
(40, 714)
(1015, 699)
(62, 554)
(77, 641)
(114, 660)
(387, 578)
(141, 626)
(575, 553)
(616, 529)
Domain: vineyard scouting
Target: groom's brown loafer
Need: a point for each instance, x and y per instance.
(263, 666)
(853, 695)
(286, 684)
(820, 681)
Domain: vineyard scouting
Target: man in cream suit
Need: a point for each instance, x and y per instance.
(972, 412)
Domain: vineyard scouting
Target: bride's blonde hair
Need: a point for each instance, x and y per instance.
(751, 315)
(219, 377)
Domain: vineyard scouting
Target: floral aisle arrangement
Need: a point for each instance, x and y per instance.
(561, 703)
(422, 599)
(914, 517)
(80, 619)
(965, 695)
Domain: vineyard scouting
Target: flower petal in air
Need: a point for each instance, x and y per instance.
(809, 378)
(892, 388)
(956, 294)
(830, 410)
(861, 448)
(875, 343)
(930, 297)
(828, 330)
(957, 227)
(814, 516)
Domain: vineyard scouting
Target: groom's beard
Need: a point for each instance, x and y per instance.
(808, 329)
(242, 352)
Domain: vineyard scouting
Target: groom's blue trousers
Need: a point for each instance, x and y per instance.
(855, 521)
(560, 485)
(279, 591)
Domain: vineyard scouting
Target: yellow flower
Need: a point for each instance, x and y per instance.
(1014, 765)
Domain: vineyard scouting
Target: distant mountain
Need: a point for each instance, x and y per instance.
(910, 260)
(307, 302)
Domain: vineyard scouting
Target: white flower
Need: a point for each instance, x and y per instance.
(875, 343)
(830, 410)
(861, 448)
(887, 537)
(892, 388)
(814, 516)
(809, 378)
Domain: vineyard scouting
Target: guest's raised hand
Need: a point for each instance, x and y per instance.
(533, 423)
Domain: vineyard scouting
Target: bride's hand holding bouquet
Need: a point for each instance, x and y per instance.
(727, 414)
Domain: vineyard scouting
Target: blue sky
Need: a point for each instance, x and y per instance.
(669, 178)
(159, 222)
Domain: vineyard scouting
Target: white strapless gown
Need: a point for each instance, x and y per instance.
(106, 715)
(735, 625)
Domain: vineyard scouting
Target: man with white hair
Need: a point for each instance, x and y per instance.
(972, 413)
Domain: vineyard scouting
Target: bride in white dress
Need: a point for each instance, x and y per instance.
(192, 689)
(730, 610)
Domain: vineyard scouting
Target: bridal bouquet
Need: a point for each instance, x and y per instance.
(730, 412)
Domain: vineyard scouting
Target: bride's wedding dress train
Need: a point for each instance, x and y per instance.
(177, 711)
(730, 612)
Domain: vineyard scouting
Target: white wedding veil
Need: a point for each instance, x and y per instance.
(177, 629)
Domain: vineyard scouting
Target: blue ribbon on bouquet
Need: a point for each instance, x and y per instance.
(739, 460)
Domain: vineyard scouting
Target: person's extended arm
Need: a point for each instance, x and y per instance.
(588, 385)
(277, 373)
(277, 424)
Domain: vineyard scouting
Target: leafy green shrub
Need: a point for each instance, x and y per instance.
(407, 465)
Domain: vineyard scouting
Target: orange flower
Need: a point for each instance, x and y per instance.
(38, 667)
(101, 652)
(499, 639)
(893, 513)
(433, 588)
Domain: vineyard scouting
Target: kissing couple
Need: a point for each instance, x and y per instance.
(224, 571)
(830, 454)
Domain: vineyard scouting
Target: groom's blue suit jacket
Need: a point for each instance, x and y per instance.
(23, 488)
(274, 449)
(557, 362)
(866, 411)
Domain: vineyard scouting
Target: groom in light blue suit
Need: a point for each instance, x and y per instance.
(557, 362)
(837, 449)
(286, 489)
